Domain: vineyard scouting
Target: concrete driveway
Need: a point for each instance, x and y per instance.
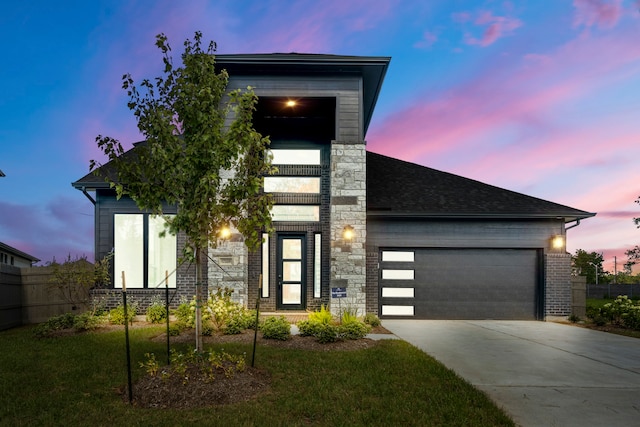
(540, 373)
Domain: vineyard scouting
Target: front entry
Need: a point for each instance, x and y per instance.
(291, 272)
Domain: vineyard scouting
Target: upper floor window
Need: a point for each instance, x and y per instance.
(292, 184)
(295, 157)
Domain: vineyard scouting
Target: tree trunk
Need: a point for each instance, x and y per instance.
(199, 302)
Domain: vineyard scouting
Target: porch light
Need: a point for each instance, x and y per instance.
(291, 103)
(348, 232)
(557, 241)
(224, 232)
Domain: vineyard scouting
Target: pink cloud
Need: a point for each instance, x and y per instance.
(495, 27)
(603, 13)
(428, 39)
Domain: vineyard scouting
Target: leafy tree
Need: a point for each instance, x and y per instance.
(633, 255)
(585, 264)
(201, 153)
(74, 279)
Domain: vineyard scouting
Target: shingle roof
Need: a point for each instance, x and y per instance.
(18, 252)
(399, 188)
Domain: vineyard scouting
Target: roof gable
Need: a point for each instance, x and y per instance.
(399, 188)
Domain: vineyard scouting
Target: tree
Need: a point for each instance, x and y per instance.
(633, 255)
(201, 154)
(74, 279)
(586, 263)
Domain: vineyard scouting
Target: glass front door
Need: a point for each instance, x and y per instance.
(291, 272)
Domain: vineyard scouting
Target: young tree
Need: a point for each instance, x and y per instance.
(201, 154)
(633, 255)
(587, 263)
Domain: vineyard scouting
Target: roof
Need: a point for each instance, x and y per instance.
(97, 178)
(18, 252)
(372, 69)
(396, 188)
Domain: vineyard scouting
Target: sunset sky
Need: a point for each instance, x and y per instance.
(540, 97)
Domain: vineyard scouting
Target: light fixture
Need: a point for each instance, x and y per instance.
(557, 241)
(224, 232)
(291, 103)
(348, 232)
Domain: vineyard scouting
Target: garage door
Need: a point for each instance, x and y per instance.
(460, 284)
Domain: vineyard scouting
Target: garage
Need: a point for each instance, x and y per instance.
(460, 283)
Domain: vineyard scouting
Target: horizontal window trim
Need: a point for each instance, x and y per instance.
(398, 256)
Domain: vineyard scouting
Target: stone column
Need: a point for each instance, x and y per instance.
(348, 208)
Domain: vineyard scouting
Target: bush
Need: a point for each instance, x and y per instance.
(326, 333)
(309, 328)
(353, 330)
(323, 316)
(116, 315)
(183, 313)
(157, 310)
(276, 328)
(371, 319)
(221, 308)
(176, 328)
(87, 322)
(56, 323)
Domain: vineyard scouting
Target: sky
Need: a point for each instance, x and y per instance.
(540, 97)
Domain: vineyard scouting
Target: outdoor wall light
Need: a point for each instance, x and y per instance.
(224, 232)
(557, 241)
(291, 103)
(348, 232)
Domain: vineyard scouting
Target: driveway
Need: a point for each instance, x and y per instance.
(540, 373)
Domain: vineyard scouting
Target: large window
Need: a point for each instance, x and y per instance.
(140, 252)
(295, 157)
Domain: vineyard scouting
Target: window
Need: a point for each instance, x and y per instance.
(140, 252)
(397, 256)
(265, 265)
(292, 184)
(397, 274)
(317, 265)
(295, 157)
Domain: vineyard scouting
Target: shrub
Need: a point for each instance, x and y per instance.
(371, 319)
(222, 309)
(184, 314)
(157, 310)
(276, 328)
(87, 321)
(323, 316)
(574, 318)
(55, 323)
(309, 328)
(326, 333)
(353, 330)
(116, 315)
(176, 328)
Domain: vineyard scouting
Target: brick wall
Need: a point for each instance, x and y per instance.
(557, 284)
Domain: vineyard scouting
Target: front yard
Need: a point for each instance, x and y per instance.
(79, 379)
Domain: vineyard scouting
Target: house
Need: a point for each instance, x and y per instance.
(12, 256)
(355, 229)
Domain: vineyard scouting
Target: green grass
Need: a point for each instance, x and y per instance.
(73, 381)
(598, 302)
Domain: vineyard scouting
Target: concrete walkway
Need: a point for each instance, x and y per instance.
(540, 373)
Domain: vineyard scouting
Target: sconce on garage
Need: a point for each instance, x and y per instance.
(348, 233)
(557, 242)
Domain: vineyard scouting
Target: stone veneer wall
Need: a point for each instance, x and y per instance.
(557, 284)
(348, 207)
(228, 267)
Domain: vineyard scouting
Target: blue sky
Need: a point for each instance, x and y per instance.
(540, 97)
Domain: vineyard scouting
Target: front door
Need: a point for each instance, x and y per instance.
(291, 269)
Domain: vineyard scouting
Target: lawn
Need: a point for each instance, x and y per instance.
(74, 380)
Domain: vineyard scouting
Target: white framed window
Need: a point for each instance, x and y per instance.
(398, 292)
(139, 251)
(292, 184)
(317, 266)
(265, 265)
(295, 157)
(397, 310)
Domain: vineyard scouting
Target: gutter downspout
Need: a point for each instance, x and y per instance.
(84, 191)
(572, 226)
